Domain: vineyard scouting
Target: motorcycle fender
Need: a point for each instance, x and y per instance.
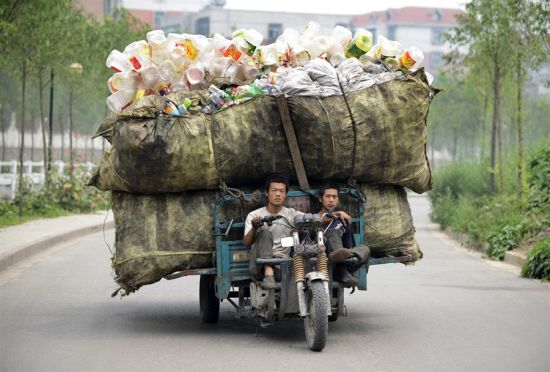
(314, 275)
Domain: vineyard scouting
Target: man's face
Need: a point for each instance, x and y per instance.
(329, 200)
(276, 194)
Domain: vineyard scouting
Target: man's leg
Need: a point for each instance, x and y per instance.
(336, 251)
(262, 248)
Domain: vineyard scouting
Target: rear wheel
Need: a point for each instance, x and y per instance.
(316, 321)
(209, 303)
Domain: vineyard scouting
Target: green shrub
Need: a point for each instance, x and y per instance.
(538, 261)
(508, 237)
(539, 178)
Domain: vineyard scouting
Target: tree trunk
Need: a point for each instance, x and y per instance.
(494, 129)
(520, 127)
(483, 129)
(3, 128)
(62, 125)
(455, 143)
(43, 123)
(22, 148)
(71, 159)
(500, 165)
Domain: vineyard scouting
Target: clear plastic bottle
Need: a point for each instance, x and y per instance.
(311, 31)
(167, 70)
(269, 55)
(118, 61)
(150, 76)
(318, 46)
(411, 58)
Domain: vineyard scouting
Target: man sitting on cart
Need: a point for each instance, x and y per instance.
(339, 237)
(266, 239)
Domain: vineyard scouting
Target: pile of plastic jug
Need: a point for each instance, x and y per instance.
(162, 64)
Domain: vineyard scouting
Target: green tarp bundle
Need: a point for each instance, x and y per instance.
(159, 234)
(376, 135)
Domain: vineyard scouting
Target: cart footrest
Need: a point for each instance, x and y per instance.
(179, 274)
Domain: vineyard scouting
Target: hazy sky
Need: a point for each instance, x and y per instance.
(302, 6)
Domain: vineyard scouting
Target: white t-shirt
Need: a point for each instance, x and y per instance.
(279, 229)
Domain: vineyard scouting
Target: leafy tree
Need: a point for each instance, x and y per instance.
(485, 30)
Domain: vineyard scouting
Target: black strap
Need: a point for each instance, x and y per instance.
(292, 142)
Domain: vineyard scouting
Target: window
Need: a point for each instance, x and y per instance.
(437, 38)
(391, 32)
(274, 30)
(203, 26)
(436, 60)
(158, 18)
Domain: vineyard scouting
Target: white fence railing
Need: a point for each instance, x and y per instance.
(33, 171)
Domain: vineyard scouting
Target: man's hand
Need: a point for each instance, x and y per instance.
(343, 216)
(257, 223)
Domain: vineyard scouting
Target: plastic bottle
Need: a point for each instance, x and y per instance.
(318, 46)
(234, 49)
(157, 40)
(120, 100)
(269, 55)
(167, 70)
(337, 58)
(150, 76)
(219, 66)
(411, 58)
(253, 39)
(300, 56)
(138, 54)
(126, 80)
(311, 31)
(118, 61)
(389, 49)
(195, 73)
(341, 35)
(360, 44)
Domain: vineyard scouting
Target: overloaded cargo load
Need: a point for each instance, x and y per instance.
(159, 234)
(376, 135)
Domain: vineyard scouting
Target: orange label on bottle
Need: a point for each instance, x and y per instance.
(406, 60)
(232, 52)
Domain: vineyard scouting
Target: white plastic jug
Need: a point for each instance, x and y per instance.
(125, 80)
(120, 100)
(150, 76)
(195, 73)
(138, 54)
(167, 70)
(118, 61)
(253, 39)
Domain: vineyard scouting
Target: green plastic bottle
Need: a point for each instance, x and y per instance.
(360, 44)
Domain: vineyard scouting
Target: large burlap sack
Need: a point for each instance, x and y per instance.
(389, 229)
(156, 235)
(376, 135)
(381, 138)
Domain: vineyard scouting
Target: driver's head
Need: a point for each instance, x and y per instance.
(276, 187)
(328, 196)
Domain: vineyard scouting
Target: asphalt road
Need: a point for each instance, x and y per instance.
(453, 311)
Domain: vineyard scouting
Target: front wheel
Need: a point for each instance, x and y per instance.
(209, 303)
(316, 321)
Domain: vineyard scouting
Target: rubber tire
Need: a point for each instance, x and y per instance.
(316, 321)
(333, 317)
(209, 303)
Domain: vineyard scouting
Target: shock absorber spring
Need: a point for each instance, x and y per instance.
(298, 266)
(322, 264)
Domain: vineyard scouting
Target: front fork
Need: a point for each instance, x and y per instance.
(321, 273)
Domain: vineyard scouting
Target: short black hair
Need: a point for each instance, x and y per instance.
(328, 185)
(276, 178)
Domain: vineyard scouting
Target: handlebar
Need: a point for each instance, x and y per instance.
(269, 219)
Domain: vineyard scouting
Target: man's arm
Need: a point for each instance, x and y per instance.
(251, 225)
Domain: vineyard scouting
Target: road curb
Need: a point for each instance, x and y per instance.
(22, 253)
